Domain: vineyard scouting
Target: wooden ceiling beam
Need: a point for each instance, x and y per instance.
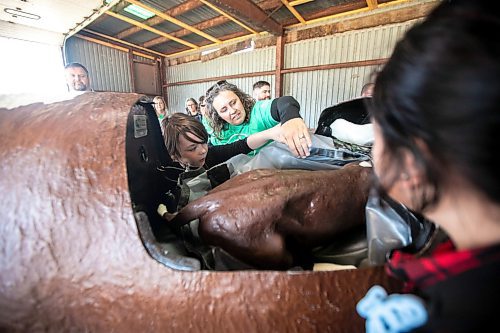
(345, 8)
(372, 4)
(178, 10)
(183, 32)
(153, 30)
(265, 5)
(298, 2)
(220, 11)
(249, 13)
(270, 5)
(354, 23)
(294, 11)
(174, 20)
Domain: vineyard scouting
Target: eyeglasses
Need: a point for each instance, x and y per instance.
(218, 84)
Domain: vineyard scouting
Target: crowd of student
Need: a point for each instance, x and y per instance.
(436, 122)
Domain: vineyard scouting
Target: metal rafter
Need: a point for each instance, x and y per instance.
(174, 21)
(147, 27)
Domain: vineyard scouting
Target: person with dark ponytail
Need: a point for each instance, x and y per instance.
(436, 116)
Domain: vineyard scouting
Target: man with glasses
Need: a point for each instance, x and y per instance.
(192, 108)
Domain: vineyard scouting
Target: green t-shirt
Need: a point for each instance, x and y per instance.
(260, 120)
(209, 129)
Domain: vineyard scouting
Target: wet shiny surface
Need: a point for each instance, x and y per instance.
(257, 215)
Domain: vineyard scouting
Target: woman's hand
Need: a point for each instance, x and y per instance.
(276, 134)
(297, 137)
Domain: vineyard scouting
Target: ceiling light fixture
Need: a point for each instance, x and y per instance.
(20, 13)
(137, 11)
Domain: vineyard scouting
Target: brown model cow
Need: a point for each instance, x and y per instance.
(262, 216)
(72, 259)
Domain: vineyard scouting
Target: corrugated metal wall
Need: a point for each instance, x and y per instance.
(177, 95)
(241, 63)
(144, 59)
(315, 90)
(109, 68)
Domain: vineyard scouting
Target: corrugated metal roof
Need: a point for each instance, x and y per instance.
(109, 25)
(195, 13)
(141, 37)
(282, 14)
(166, 26)
(316, 5)
(204, 13)
(221, 30)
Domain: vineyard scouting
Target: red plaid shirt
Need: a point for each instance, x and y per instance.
(444, 263)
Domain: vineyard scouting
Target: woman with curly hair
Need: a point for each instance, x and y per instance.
(234, 115)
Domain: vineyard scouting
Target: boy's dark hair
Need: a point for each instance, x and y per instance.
(181, 124)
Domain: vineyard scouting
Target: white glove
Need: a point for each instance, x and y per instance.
(353, 133)
(162, 209)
